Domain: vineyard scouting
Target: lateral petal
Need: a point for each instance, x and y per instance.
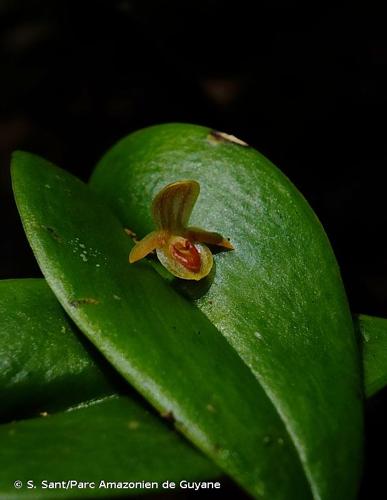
(209, 237)
(145, 246)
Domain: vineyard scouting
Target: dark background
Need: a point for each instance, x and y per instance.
(308, 89)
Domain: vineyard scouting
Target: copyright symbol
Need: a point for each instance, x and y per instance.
(18, 484)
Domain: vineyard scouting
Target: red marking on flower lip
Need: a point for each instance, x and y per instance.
(187, 254)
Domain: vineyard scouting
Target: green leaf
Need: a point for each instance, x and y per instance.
(373, 332)
(162, 345)
(278, 298)
(111, 440)
(32, 322)
(51, 366)
(46, 365)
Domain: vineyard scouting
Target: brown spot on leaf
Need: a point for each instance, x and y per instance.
(169, 416)
(131, 234)
(79, 302)
(52, 232)
(215, 137)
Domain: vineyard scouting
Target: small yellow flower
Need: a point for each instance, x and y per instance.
(180, 249)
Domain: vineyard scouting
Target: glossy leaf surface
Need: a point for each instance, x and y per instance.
(46, 364)
(53, 367)
(111, 440)
(373, 333)
(166, 348)
(33, 325)
(278, 298)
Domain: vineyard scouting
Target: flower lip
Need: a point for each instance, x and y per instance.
(187, 254)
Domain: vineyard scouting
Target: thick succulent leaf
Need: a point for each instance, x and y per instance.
(48, 365)
(373, 332)
(111, 440)
(31, 316)
(45, 363)
(154, 337)
(278, 298)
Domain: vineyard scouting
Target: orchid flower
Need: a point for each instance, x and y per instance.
(180, 249)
